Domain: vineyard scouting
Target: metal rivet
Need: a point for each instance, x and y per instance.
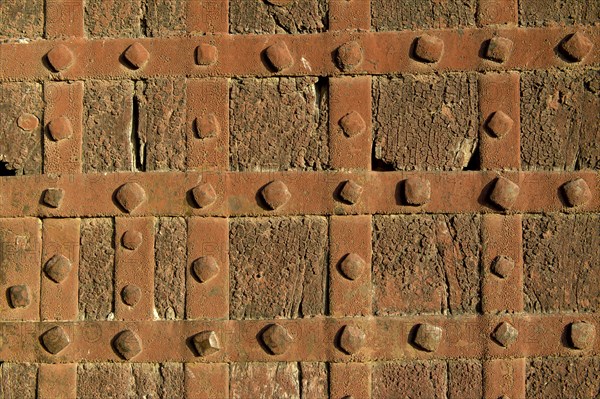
(352, 266)
(55, 340)
(352, 124)
(349, 56)
(279, 56)
(504, 193)
(57, 268)
(499, 124)
(582, 334)
(206, 343)
(428, 337)
(204, 195)
(352, 339)
(136, 55)
(417, 191)
(276, 194)
(127, 344)
(130, 196)
(60, 58)
(19, 296)
(505, 334)
(207, 126)
(205, 268)
(132, 239)
(428, 48)
(53, 197)
(499, 49)
(277, 339)
(60, 128)
(502, 266)
(576, 46)
(28, 122)
(206, 54)
(577, 192)
(351, 192)
(131, 294)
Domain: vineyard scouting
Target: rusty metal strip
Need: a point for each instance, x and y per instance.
(502, 288)
(349, 14)
(63, 127)
(57, 381)
(350, 142)
(502, 255)
(208, 148)
(500, 120)
(495, 12)
(502, 291)
(243, 55)
(207, 16)
(350, 290)
(207, 274)
(64, 18)
(20, 258)
(350, 380)
(312, 339)
(208, 116)
(504, 377)
(206, 380)
(311, 193)
(60, 263)
(350, 122)
(134, 268)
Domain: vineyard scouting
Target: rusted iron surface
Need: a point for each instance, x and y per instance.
(299, 198)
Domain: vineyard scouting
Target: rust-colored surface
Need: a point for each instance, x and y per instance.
(305, 199)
